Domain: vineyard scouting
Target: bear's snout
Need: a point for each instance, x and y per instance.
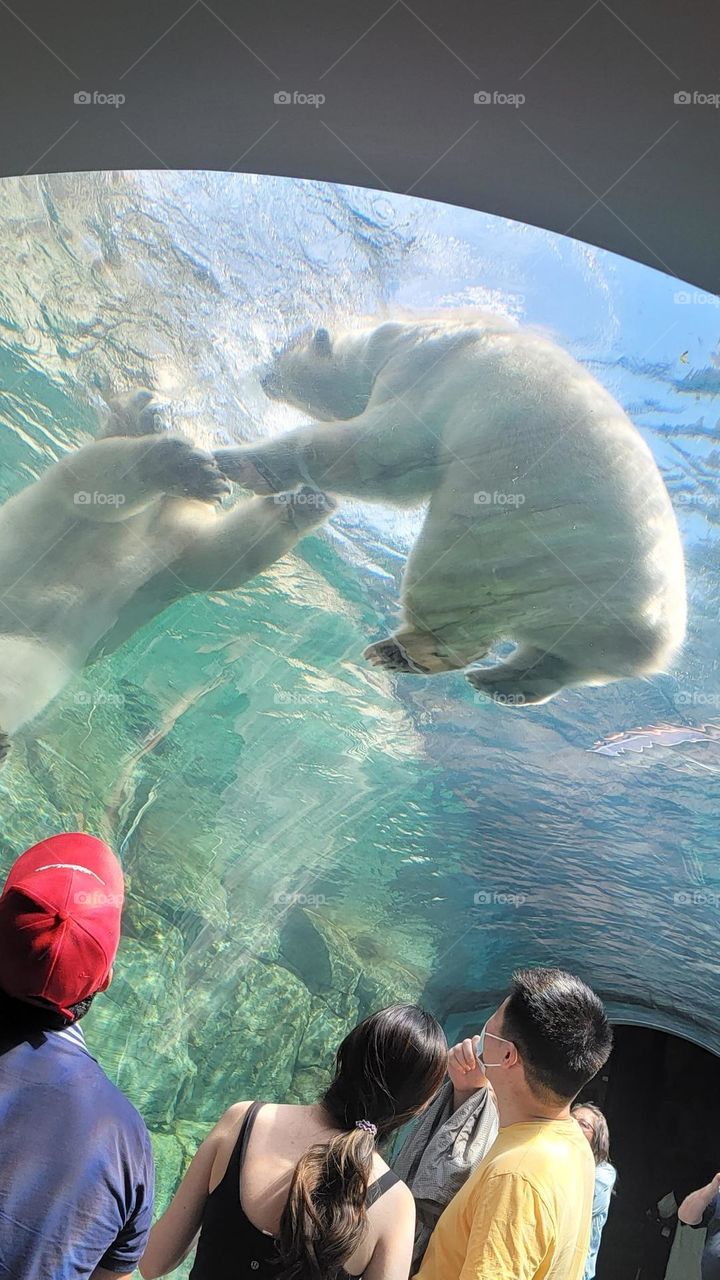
(269, 384)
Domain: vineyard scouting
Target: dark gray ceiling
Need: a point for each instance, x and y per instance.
(599, 149)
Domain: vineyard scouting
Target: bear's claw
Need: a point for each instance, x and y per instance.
(134, 414)
(185, 471)
(150, 421)
(391, 655)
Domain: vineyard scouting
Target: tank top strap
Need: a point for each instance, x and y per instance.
(378, 1189)
(231, 1177)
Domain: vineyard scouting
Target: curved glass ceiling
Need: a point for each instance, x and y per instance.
(307, 836)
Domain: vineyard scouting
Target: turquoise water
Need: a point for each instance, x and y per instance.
(305, 837)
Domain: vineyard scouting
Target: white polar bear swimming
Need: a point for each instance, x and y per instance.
(111, 535)
(548, 522)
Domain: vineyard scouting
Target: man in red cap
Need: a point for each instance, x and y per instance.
(76, 1166)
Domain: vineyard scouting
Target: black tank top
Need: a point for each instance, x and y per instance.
(230, 1247)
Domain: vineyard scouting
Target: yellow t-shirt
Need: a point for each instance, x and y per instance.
(524, 1214)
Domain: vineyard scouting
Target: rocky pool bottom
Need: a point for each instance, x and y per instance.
(261, 1026)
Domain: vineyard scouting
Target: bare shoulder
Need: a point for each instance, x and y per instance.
(399, 1196)
(402, 1196)
(400, 1200)
(231, 1119)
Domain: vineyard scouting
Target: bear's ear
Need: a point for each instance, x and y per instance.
(322, 345)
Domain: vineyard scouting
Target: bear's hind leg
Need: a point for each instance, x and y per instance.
(527, 678)
(421, 653)
(31, 675)
(393, 656)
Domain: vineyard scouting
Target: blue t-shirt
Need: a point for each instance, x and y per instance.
(76, 1165)
(604, 1182)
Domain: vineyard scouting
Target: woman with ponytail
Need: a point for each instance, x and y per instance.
(302, 1193)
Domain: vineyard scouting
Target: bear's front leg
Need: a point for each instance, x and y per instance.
(366, 458)
(249, 538)
(264, 469)
(115, 478)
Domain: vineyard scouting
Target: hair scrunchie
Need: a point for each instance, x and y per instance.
(367, 1125)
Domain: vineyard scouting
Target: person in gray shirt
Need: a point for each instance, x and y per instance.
(448, 1141)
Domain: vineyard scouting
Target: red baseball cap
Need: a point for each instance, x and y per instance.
(60, 921)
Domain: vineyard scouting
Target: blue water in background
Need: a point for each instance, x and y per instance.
(305, 837)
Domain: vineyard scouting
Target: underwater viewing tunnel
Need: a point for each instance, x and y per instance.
(359, 510)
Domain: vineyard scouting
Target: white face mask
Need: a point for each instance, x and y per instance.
(485, 1034)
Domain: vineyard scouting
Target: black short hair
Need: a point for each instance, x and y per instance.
(20, 1015)
(560, 1029)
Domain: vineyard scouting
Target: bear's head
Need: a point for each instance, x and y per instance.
(324, 379)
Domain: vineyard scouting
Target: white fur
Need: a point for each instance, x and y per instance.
(30, 676)
(107, 538)
(574, 554)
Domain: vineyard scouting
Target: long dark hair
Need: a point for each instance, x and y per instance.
(600, 1141)
(386, 1070)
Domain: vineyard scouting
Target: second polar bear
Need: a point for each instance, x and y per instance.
(548, 523)
(112, 534)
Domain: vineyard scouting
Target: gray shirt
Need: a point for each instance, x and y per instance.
(440, 1154)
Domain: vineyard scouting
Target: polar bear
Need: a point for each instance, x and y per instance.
(112, 534)
(548, 524)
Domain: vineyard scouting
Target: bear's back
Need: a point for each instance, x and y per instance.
(545, 477)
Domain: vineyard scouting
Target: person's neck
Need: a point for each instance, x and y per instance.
(525, 1108)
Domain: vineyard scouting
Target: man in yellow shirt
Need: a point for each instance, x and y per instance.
(524, 1214)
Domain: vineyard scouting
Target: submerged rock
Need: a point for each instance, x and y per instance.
(136, 1028)
(322, 956)
(173, 1149)
(322, 1035)
(245, 1039)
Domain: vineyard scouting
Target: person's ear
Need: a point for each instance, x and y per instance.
(107, 981)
